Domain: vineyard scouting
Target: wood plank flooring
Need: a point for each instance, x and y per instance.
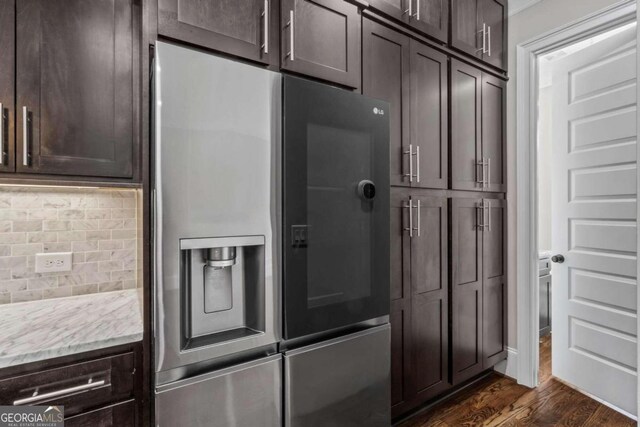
(500, 401)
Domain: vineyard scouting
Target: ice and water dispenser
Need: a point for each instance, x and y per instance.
(224, 282)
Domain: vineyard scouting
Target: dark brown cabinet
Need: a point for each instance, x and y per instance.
(430, 17)
(478, 28)
(75, 87)
(7, 85)
(119, 415)
(478, 150)
(420, 303)
(478, 288)
(244, 28)
(413, 78)
(322, 39)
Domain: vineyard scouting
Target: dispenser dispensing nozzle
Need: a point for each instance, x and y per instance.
(221, 257)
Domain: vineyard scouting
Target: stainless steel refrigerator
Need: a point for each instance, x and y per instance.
(219, 234)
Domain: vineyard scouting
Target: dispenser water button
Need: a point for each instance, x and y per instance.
(299, 236)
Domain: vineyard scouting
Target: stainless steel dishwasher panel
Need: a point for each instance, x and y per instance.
(340, 382)
(249, 394)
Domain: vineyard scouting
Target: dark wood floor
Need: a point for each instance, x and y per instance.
(500, 401)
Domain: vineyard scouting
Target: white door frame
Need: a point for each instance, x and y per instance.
(527, 176)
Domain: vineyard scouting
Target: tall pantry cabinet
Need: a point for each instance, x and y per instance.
(448, 209)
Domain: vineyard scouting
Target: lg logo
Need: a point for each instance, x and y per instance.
(378, 111)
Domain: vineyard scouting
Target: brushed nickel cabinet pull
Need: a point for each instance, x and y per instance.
(417, 15)
(483, 49)
(25, 136)
(480, 176)
(489, 37)
(410, 10)
(410, 206)
(265, 14)
(419, 225)
(2, 117)
(418, 163)
(290, 24)
(57, 393)
(489, 215)
(410, 153)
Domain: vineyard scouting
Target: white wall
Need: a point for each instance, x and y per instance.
(541, 18)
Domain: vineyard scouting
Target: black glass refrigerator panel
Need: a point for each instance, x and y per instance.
(336, 208)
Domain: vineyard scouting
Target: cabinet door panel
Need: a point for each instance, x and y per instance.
(429, 299)
(466, 147)
(400, 335)
(237, 27)
(432, 18)
(465, 26)
(494, 15)
(394, 8)
(385, 75)
(494, 284)
(7, 85)
(466, 292)
(429, 118)
(120, 415)
(325, 40)
(493, 131)
(75, 77)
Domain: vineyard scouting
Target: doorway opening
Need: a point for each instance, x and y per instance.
(586, 141)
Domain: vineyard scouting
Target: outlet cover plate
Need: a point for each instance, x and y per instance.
(53, 261)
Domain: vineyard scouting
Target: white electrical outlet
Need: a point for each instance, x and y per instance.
(54, 261)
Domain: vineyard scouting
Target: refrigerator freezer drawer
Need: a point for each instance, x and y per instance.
(340, 382)
(249, 394)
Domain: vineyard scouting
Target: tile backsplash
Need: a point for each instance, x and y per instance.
(100, 226)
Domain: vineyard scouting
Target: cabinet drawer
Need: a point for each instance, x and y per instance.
(79, 387)
(120, 415)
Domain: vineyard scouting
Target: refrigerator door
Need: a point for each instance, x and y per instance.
(336, 207)
(249, 394)
(216, 175)
(340, 382)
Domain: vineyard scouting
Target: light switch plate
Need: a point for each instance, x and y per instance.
(52, 262)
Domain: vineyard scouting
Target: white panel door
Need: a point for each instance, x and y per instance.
(594, 219)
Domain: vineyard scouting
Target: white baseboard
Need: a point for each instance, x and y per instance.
(509, 366)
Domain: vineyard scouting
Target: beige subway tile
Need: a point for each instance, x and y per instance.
(13, 214)
(86, 224)
(106, 245)
(130, 223)
(33, 225)
(57, 201)
(43, 282)
(129, 284)
(85, 246)
(13, 285)
(50, 293)
(29, 295)
(5, 298)
(97, 277)
(85, 289)
(86, 267)
(109, 202)
(42, 237)
(13, 238)
(56, 225)
(98, 234)
(98, 213)
(71, 280)
(110, 265)
(5, 250)
(46, 214)
(123, 213)
(110, 224)
(129, 203)
(26, 249)
(57, 247)
(129, 244)
(123, 234)
(26, 202)
(72, 214)
(5, 226)
(5, 274)
(11, 262)
(110, 286)
(98, 256)
(78, 257)
(123, 275)
(122, 254)
(129, 264)
(71, 236)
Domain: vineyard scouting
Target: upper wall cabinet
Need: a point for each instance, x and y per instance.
(478, 149)
(75, 87)
(321, 38)
(7, 85)
(427, 16)
(478, 28)
(244, 28)
(413, 78)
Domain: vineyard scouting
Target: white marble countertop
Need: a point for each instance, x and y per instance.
(39, 330)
